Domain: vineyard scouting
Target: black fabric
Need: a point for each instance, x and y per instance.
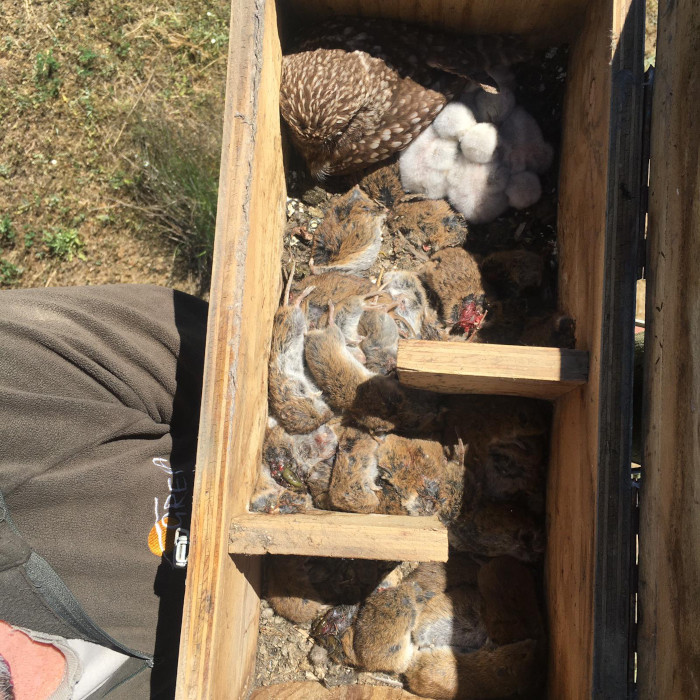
(99, 403)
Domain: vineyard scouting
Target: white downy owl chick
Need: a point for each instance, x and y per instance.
(480, 143)
(523, 190)
(477, 190)
(453, 121)
(524, 147)
(423, 166)
(495, 107)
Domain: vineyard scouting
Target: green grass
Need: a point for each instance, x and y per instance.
(64, 244)
(7, 230)
(86, 60)
(46, 75)
(9, 273)
(177, 185)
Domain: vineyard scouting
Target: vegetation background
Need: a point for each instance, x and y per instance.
(111, 115)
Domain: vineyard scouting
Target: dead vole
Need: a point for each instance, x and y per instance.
(380, 340)
(334, 368)
(354, 484)
(454, 279)
(512, 272)
(429, 224)
(406, 290)
(350, 236)
(383, 184)
(294, 399)
(335, 286)
(418, 473)
(498, 529)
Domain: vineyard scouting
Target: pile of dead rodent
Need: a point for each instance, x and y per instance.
(344, 434)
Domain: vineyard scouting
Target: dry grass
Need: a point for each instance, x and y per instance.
(77, 78)
(652, 15)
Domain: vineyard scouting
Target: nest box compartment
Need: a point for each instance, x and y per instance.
(588, 554)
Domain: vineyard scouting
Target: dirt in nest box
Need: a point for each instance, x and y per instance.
(286, 652)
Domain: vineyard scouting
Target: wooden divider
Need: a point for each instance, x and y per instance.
(471, 368)
(350, 535)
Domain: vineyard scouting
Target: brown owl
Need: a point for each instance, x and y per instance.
(362, 89)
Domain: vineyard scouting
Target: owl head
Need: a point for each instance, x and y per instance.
(329, 101)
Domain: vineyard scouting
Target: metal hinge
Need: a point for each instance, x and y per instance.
(644, 175)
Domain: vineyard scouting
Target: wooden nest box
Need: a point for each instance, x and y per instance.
(589, 595)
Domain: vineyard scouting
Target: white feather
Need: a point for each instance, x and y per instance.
(480, 143)
(454, 119)
(477, 190)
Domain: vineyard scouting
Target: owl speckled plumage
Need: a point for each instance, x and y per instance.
(362, 89)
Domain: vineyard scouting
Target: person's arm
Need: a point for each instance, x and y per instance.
(35, 669)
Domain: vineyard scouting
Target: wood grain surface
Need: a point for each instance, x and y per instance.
(545, 21)
(573, 478)
(219, 634)
(351, 535)
(613, 596)
(669, 557)
(475, 368)
(315, 691)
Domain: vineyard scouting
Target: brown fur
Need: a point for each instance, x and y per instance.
(488, 673)
(381, 404)
(510, 608)
(496, 529)
(382, 630)
(383, 184)
(418, 471)
(555, 330)
(293, 398)
(350, 234)
(430, 224)
(334, 369)
(353, 484)
(452, 276)
(514, 271)
(380, 340)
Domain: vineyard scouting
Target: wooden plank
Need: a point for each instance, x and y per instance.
(613, 595)
(474, 368)
(219, 635)
(574, 459)
(548, 20)
(669, 560)
(311, 690)
(340, 535)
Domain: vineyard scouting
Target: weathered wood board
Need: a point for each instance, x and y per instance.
(473, 368)
(669, 556)
(588, 489)
(351, 535)
(219, 635)
(544, 21)
(315, 691)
